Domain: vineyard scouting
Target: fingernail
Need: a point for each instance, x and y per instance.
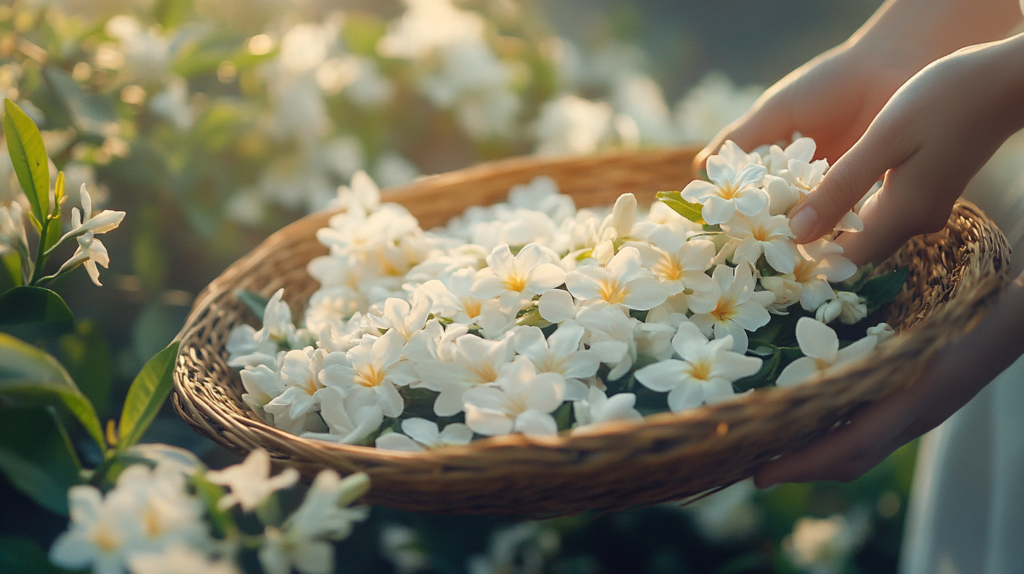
(803, 223)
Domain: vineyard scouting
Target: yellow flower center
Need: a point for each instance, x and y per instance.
(472, 306)
(311, 385)
(485, 373)
(515, 282)
(804, 271)
(369, 376)
(612, 292)
(151, 522)
(724, 310)
(668, 269)
(104, 539)
(700, 370)
(760, 233)
(728, 191)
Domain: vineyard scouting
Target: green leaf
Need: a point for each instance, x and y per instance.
(86, 355)
(881, 289)
(171, 13)
(764, 375)
(31, 374)
(674, 199)
(12, 263)
(28, 154)
(34, 312)
(21, 555)
(90, 113)
(255, 302)
(146, 395)
(35, 457)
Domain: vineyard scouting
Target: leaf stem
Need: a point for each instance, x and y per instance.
(41, 253)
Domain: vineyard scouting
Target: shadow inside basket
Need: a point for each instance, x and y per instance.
(954, 274)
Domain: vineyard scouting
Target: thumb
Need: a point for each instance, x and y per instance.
(765, 123)
(843, 185)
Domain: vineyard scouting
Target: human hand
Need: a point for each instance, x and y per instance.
(928, 141)
(957, 373)
(832, 99)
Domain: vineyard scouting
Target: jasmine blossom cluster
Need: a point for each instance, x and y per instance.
(532, 316)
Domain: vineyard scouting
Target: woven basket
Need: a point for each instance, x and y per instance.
(955, 274)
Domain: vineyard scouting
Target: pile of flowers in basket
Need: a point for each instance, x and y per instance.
(532, 316)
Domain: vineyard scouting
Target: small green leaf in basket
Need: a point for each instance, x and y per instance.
(674, 199)
(881, 289)
(254, 301)
(146, 395)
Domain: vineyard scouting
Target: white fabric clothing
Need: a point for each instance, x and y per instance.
(966, 513)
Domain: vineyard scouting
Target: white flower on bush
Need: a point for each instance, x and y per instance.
(250, 482)
(12, 230)
(704, 375)
(303, 541)
(599, 407)
(521, 401)
(514, 278)
(473, 361)
(825, 545)
(561, 354)
(731, 307)
(421, 434)
(84, 228)
(147, 510)
(761, 233)
(572, 125)
(621, 282)
(179, 559)
(732, 188)
(820, 345)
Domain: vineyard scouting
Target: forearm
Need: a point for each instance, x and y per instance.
(920, 31)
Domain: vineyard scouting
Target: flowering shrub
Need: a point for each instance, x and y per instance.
(532, 316)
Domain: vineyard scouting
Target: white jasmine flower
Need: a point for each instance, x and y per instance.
(761, 233)
(302, 542)
(528, 273)
(402, 318)
(732, 188)
(882, 332)
(732, 307)
(621, 282)
(90, 253)
(350, 418)
(84, 221)
(787, 291)
(561, 353)
(805, 175)
(847, 307)
(654, 338)
(250, 482)
(819, 264)
(609, 334)
(541, 194)
(362, 194)
(453, 298)
(571, 125)
(304, 373)
(777, 159)
(679, 264)
(421, 434)
(473, 361)
(706, 373)
(376, 367)
(331, 308)
(426, 25)
(820, 345)
(12, 230)
(521, 401)
(262, 385)
(620, 222)
(146, 511)
(825, 546)
(599, 407)
(556, 306)
(179, 559)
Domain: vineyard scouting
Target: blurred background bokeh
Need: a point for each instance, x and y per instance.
(214, 122)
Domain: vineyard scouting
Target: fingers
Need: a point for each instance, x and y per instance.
(766, 122)
(844, 185)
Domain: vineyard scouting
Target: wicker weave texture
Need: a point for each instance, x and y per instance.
(955, 274)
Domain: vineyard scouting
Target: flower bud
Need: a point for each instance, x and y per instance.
(852, 308)
(882, 332)
(829, 311)
(785, 288)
